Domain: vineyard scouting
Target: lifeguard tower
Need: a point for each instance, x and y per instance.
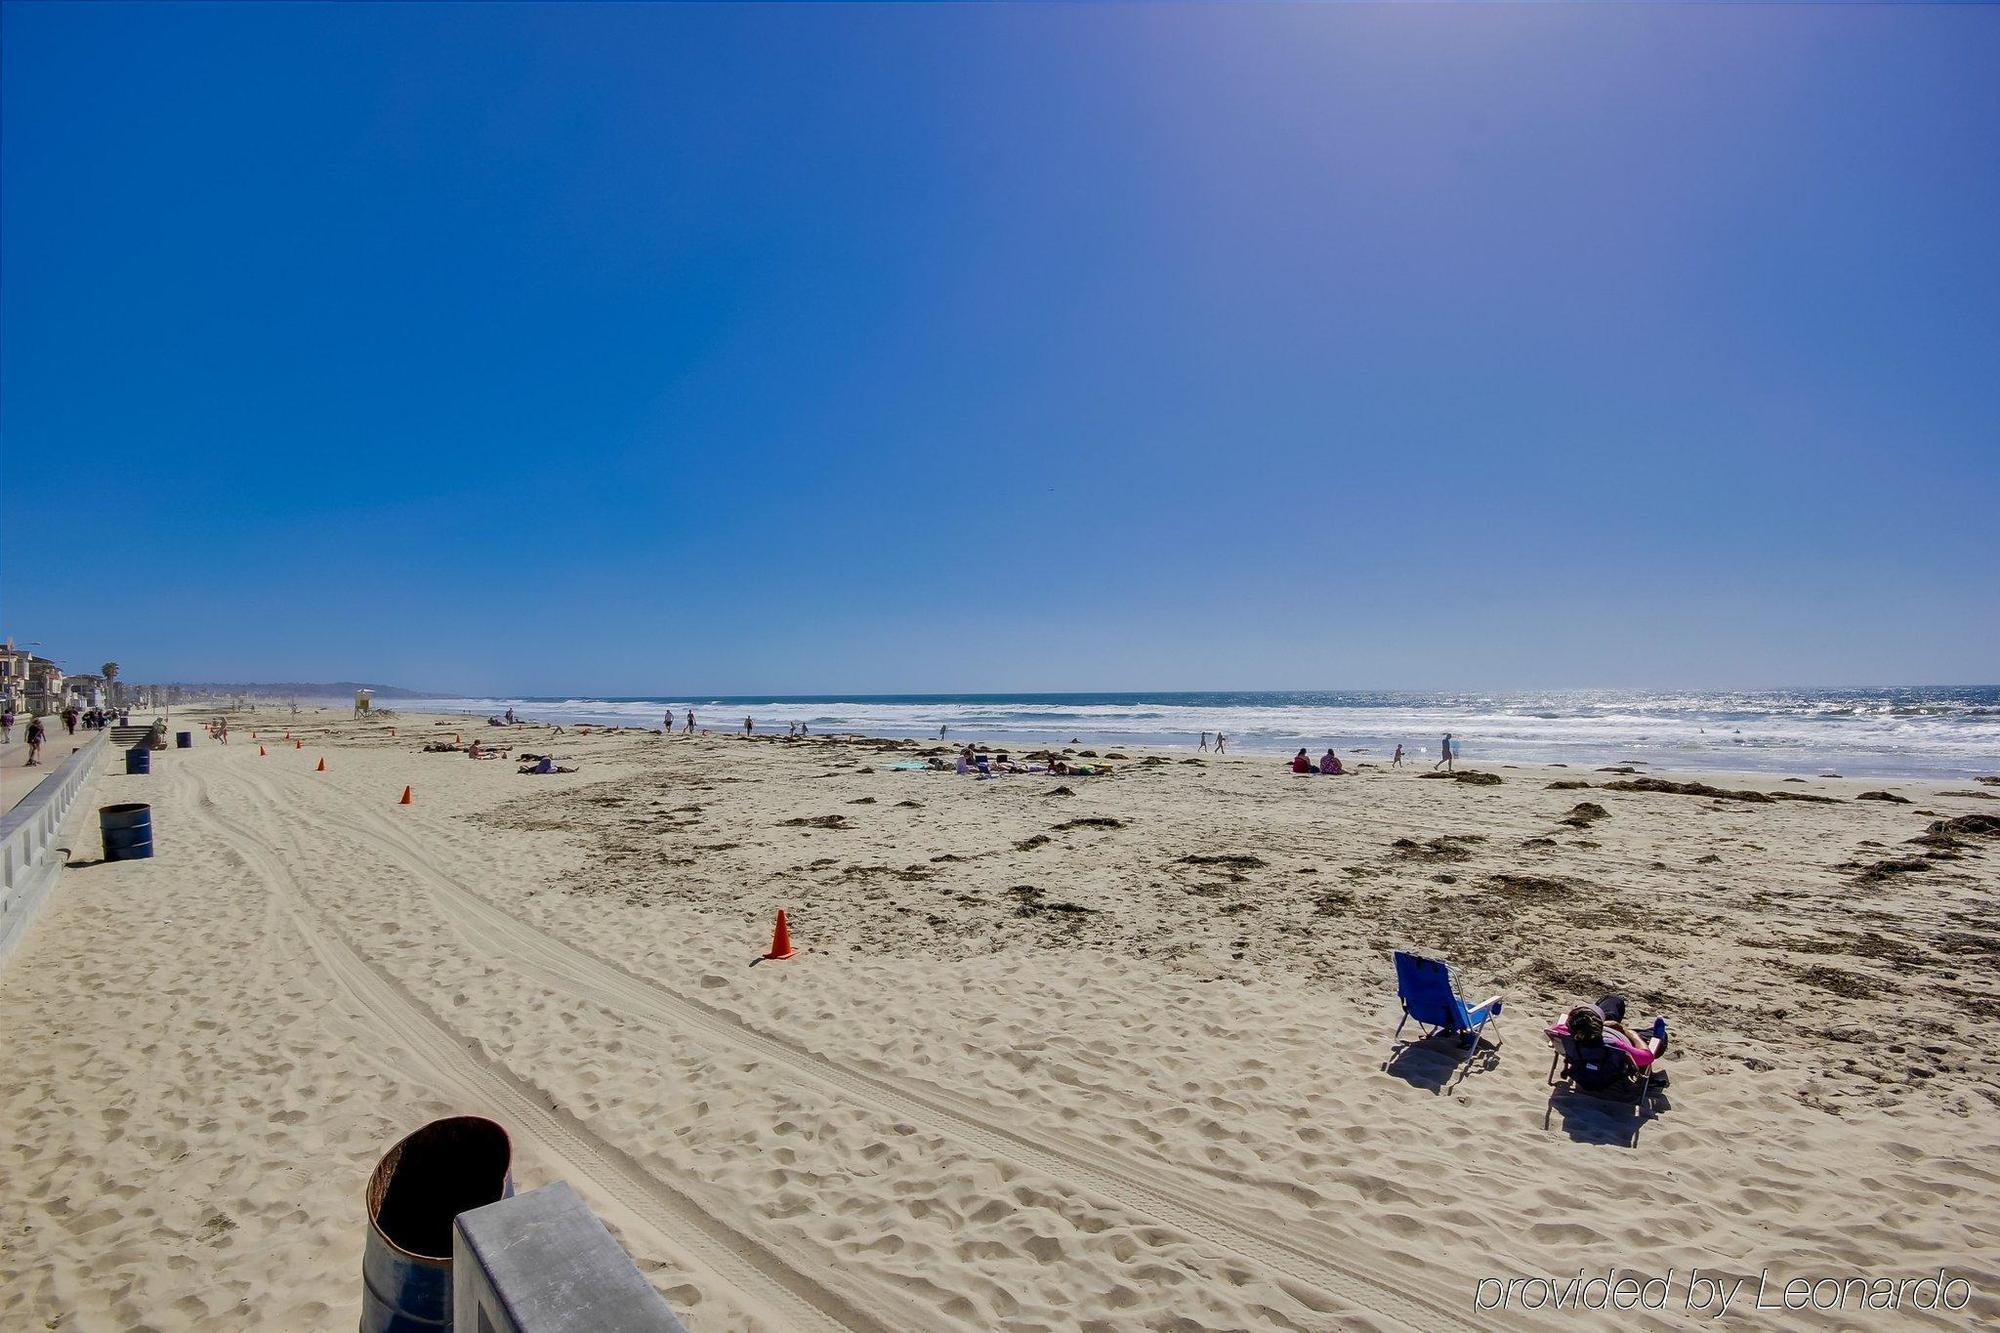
(364, 700)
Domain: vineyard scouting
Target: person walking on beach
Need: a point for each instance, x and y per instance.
(1204, 741)
(37, 733)
(944, 730)
(1444, 755)
(1220, 742)
(690, 730)
(749, 725)
(1397, 762)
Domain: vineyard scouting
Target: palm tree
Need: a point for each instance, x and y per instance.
(111, 684)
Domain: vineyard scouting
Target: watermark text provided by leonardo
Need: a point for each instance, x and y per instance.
(1715, 1293)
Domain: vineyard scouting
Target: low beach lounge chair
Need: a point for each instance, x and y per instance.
(1430, 999)
(1598, 1069)
(1604, 1075)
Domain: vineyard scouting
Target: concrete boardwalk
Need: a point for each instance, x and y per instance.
(16, 779)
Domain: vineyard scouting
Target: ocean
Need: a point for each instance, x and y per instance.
(1930, 731)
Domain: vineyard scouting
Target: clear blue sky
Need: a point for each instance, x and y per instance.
(798, 348)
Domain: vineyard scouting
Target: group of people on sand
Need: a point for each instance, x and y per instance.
(1329, 763)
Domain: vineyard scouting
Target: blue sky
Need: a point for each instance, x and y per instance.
(797, 348)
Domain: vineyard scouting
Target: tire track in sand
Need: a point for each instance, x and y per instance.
(1301, 1272)
(765, 1283)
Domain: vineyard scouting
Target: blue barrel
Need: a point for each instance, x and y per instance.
(184, 740)
(420, 1185)
(127, 831)
(138, 759)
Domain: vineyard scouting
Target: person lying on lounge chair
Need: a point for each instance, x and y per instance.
(1605, 1021)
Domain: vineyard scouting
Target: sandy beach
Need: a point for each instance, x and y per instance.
(1103, 1053)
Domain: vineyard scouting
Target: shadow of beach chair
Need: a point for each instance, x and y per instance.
(1619, 1095)
(1429, 997)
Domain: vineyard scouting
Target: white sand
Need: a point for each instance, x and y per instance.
(962, 1107)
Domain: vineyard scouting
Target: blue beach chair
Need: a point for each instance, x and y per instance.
(1430, 1000)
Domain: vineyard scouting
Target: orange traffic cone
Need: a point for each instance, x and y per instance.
(260, 752)
(322, 767)
(406, 797)
(781, 938)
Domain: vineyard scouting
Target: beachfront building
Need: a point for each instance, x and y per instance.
(85, 691)
(44, 694)
(13, 677)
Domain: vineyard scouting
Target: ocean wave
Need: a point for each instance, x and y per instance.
(1942, 732)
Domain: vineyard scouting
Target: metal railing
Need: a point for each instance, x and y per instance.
(28, 861)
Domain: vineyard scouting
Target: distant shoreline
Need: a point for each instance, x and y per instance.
(1950, 734)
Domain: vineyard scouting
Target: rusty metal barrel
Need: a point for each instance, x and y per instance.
(419, 1186)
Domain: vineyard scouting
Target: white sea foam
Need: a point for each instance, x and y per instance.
(1949, 733)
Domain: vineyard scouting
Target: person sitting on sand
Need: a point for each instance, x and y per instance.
(1329, 764)
(544, 764)
(1059, 768)
(1301, 764)
(965, 761)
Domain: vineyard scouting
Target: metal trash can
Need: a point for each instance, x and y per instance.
(127, 831)
(418, 1188)
(138, 759)
(184, 740)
